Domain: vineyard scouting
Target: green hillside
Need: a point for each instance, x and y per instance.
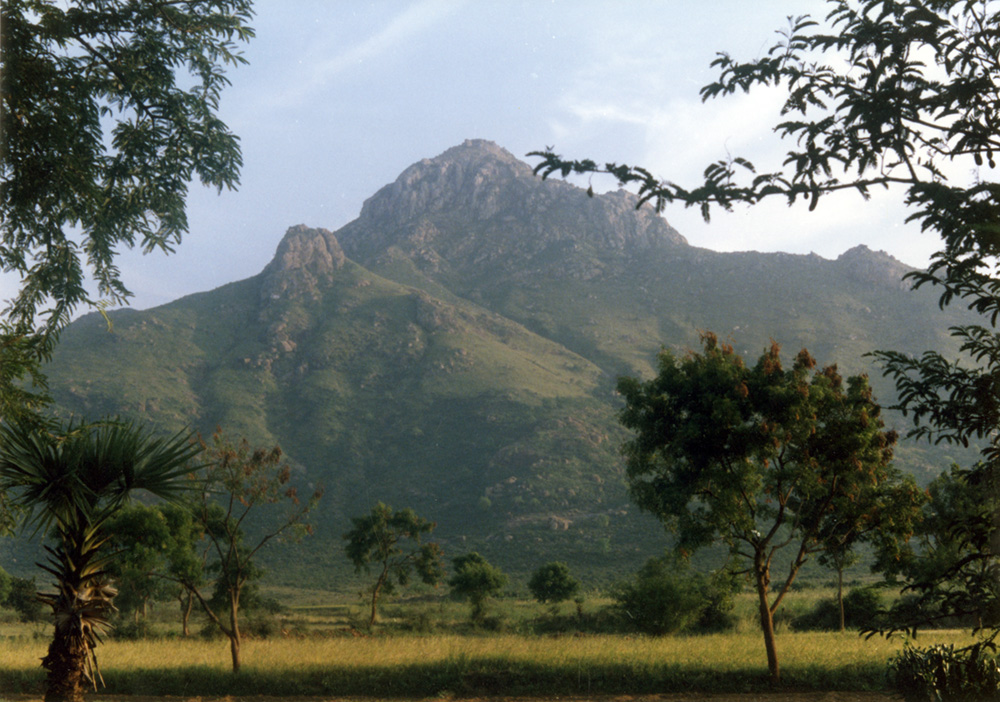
(455, 349)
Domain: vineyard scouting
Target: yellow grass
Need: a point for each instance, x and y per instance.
(720, 652)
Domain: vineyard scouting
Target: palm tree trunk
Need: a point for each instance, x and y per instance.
(65, 662)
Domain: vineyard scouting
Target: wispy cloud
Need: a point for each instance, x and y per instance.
(408, 24)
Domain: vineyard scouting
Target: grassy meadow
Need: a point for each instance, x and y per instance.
(426, 649)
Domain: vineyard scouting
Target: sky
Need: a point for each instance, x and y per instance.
(339, 97)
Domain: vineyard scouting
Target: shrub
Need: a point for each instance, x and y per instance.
(23, 599)
(942, 673)
(666, 597)
(862, 610)
(6, 582)
(553, 583)
(476, 580)
(131, 630)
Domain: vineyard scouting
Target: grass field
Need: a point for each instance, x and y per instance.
(442, 664)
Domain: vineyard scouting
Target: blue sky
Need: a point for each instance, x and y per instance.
(339, 97)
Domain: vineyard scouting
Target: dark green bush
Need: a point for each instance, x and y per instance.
(666, 596)
(23, 599)
(553, 583)
(129, 629)
(945, 674)
(862, 610)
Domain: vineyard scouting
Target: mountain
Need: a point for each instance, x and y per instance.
(454, 349)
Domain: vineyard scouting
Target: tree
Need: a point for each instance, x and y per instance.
(6, 586)
(72, 480)
(138, 534)
(945, 570)
(245, 481)
(377, 538)
(108, 112)
(553, 582)
(476, 580)
(839, 557)
(23, 599)
(185, 566)
(664, 597)
(761, 459)
(156, 546)
(890, 94)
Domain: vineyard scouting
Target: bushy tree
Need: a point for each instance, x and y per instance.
(109, 110)
(391, 542)
(665, 597)
(23, 599)
(946, 576)
(6, 586)
(892, 94)
(553, 583)
(139, 535)
(185, 564)
(763, 459)
(157, 546)
(477, 580)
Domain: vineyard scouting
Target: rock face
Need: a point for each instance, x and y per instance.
(305, 262)
(874, 267)
(476, 205)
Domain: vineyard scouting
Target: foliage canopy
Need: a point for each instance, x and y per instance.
(109, 110)
(763, 459)
(553, 582)
(378, 539)
(476, 579)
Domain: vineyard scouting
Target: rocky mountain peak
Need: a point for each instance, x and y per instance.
(873, 267)
(471, 176)
(479, 204)
(305, 261)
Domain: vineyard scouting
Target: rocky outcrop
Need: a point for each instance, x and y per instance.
(305, 262)
(477, 205)
(874, 268)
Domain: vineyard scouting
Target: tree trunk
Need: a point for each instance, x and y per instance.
(375, 592)
(234, 630)
(66, 662)
(767, 623)
(187, 602)
(840, 595)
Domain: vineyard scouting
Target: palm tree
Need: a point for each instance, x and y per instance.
(70, 480)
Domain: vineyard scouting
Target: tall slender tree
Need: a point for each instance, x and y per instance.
(239, 481)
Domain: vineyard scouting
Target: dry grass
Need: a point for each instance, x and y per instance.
(429, 665)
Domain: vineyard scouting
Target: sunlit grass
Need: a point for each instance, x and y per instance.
(430, 665)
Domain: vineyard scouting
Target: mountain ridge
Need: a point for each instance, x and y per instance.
(454, 349)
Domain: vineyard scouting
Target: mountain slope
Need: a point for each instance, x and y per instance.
(455, 348)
